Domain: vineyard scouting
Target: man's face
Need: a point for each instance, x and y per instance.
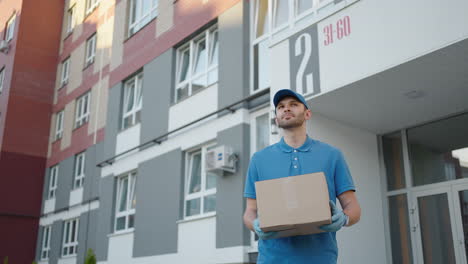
(291, 113)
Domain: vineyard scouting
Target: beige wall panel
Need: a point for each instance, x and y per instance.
(76, 68)
(93, 108)
(68, 120)
(79, 17)
(119, 34)
(102, 107)
(165, 19)
(99, 94)
(57, 81)
(104, 7)
(104, 43)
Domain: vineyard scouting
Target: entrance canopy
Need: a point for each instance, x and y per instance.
(429, 87)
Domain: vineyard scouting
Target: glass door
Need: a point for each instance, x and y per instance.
(441, 224)
(460, 197)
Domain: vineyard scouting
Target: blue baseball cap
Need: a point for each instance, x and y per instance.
(287, 92)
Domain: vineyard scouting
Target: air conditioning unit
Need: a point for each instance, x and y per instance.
(221, 159)
(4, 46)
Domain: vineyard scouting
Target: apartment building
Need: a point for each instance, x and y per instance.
(146, 89)
(27, 71)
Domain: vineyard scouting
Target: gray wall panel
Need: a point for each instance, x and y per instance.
(157, 86)
(82, 237)
(92, 172)
(233, 84)
(86, 234)
(230, 204)
(39, 242)
(105, 216)
(64, 183)
(56, 242)
(114, 113)
(45, 188)
(158, 207)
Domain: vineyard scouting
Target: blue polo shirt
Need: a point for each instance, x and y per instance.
(281, 160)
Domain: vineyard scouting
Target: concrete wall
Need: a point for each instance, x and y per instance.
(230, 204)
(365, 241)
(64, 183)
(158, 190)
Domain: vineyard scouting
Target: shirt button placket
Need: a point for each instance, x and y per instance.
(295, 160)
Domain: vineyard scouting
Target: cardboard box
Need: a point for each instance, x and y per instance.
(295, 205)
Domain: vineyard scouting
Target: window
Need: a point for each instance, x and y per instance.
(65, 72)
(302, 6)
(91, 5)
(59, 125)
(46, 243)
(2, 77)
(125, 202)
(70, 237)
(197, 64)
(90, 50)
(133, 100)
(260, 131)
(10, 28)
(79, 172)
(82, 110)
(261, 51)
(141, 12)
(52, 182)
(200, 190)
(281, 12)
(70, 19)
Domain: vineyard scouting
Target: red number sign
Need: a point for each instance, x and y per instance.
(343, 29)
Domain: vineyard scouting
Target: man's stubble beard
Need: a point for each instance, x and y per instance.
(297, 123)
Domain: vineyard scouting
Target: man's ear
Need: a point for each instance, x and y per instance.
(308, 114)
(276, 121)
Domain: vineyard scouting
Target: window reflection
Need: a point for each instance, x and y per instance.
(439, 151)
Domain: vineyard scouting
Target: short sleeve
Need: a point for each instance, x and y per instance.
(343, 180)
(252, 177)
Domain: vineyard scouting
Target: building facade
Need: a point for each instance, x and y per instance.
(145, 89)
(27, 73)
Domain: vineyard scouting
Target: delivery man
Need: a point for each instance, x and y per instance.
(298, 154)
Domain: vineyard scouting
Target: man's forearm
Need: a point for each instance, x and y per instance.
(353, 211)
(249, 217)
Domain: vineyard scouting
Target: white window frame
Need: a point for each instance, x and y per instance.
(139, 16)
(203, 192)
(90, 52)
(70, 19)
(82, 109)
(318, 10)
(70, 239)
(10, 28)
(65, 67)
(2, 78)
(59, 125)
(129, 209)
(79, 170)
(136, 83)
(191, 76)
(45, 248)
(253, 148)
(53, 177)
(91, 5)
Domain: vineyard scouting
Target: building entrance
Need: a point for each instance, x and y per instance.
(427, 191)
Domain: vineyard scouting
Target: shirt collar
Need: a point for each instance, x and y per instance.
(305, 147)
